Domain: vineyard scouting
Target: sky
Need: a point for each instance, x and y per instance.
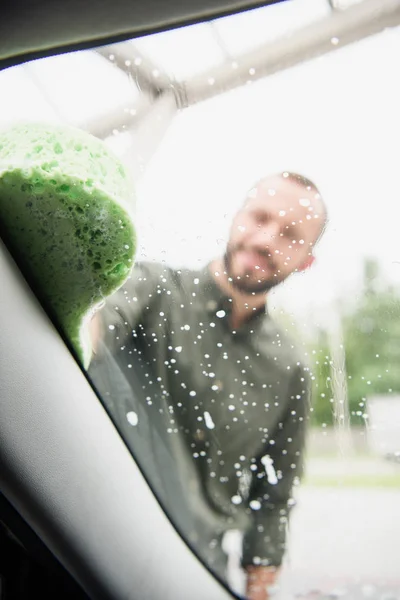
(335, 119)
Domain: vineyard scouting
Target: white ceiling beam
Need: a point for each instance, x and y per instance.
(339, 29)
(147, 133)
(121, 118)
(147, 76)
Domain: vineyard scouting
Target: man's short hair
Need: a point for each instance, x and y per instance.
(305, 182)
(300, 179)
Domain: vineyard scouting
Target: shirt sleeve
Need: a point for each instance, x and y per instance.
(277, 471)
(130, 305)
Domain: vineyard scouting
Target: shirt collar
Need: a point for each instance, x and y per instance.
(216, 299)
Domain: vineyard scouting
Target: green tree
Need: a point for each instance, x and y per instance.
(372, 341)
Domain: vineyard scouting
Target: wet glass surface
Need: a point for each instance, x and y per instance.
(258, 335)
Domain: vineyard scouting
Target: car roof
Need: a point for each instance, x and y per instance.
(36, 28)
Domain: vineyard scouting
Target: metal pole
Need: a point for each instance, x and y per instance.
(339, 29)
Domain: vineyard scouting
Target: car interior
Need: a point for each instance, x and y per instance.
(92, 506)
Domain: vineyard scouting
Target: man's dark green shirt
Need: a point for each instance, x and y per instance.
(239, 398)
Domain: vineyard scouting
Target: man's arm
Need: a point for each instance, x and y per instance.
(122, 311)
(278, 469)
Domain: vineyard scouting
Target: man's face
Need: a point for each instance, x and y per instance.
(273, 234)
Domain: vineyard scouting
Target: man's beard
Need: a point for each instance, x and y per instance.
(243, 283)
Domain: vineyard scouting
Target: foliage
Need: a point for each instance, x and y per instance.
(371, 340)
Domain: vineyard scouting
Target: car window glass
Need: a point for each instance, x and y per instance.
(250, 362)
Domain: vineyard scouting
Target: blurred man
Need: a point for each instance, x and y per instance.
(234, 385)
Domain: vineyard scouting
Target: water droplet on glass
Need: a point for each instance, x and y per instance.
(220, 314)
(334, 41)
(111, 327)
(236, 499)
(208, 420)
(132, 418)
(269, 469)
(255, 505)
(178, 349)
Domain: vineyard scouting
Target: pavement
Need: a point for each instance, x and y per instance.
(344, 541)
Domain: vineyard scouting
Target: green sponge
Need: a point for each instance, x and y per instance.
(66, 211)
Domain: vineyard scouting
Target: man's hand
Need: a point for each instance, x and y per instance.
(259, 580)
